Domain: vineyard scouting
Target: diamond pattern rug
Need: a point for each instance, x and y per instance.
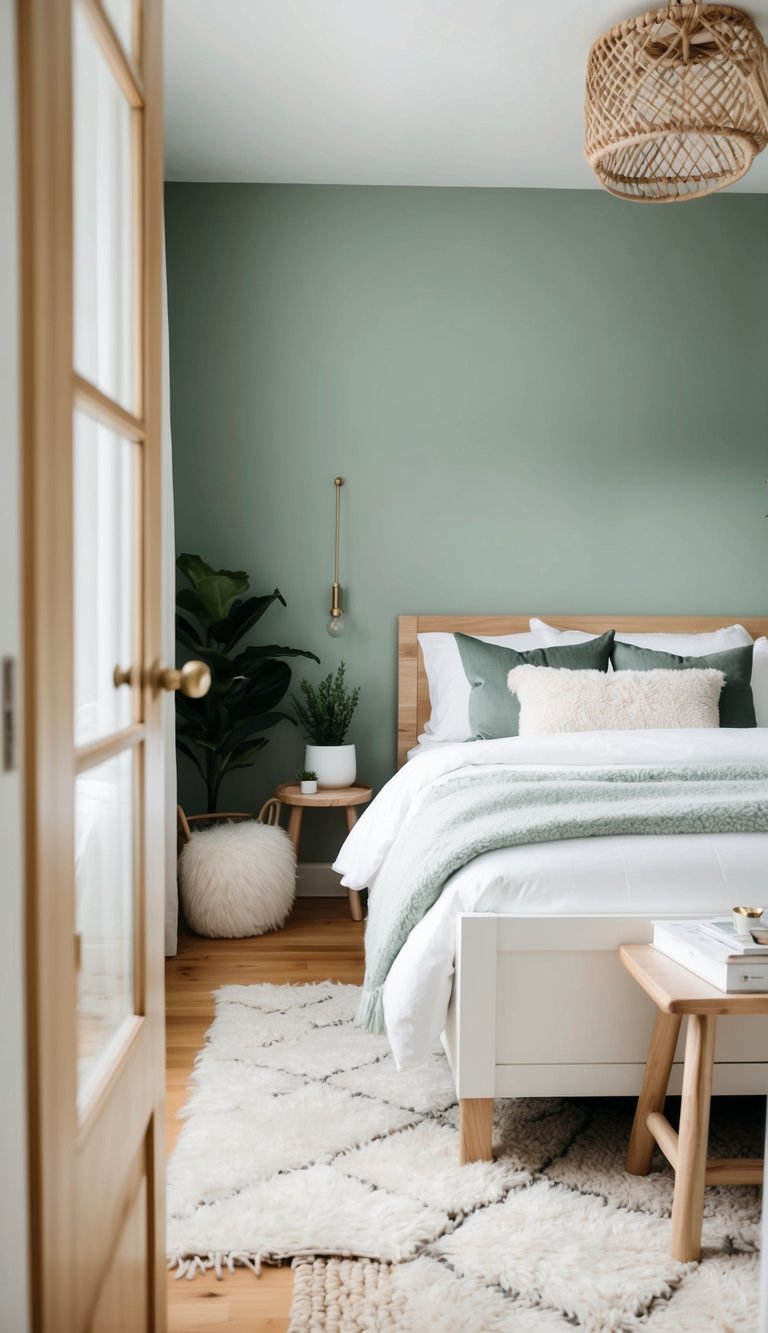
(302, 1140)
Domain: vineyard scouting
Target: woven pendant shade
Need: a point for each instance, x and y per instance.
(677, 102)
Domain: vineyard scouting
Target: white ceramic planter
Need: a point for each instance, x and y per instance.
(335, 765)
(308, 786)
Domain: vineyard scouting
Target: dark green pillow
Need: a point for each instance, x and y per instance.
(737, 707)
(493, 711)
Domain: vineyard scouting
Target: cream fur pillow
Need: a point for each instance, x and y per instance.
(554, 700)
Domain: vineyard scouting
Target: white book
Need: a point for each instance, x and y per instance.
(722, 928)
(685, 943)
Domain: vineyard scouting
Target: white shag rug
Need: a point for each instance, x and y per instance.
(301, 1139)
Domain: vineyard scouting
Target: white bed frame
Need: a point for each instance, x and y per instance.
(579, 1025)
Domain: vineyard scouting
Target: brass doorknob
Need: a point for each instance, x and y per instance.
(122, 676)
(194, 679)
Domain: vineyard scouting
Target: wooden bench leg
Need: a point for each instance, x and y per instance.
(661, 1053)
(688, 1203)
(475, 1129)
(353, 895)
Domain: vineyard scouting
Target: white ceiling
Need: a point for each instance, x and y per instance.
(386, 92)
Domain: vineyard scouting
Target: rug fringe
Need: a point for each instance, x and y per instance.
(370, 1012)
(189, 1265)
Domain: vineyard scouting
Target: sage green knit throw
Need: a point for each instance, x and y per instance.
(463, 817)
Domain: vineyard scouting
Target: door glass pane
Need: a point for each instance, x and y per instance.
(120, 13)
(104, 276)
(105, 484)
(104, 875)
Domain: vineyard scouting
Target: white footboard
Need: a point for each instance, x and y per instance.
(541, 1006)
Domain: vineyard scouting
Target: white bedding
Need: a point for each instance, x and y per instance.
(632, 875)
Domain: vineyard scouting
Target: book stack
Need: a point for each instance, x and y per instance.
(715, 952)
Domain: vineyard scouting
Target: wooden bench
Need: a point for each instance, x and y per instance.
(678, 993)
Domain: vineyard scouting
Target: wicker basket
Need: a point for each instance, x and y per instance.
(185, 824)
(676, 102)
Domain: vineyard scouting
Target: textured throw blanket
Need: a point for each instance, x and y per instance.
(462, 817)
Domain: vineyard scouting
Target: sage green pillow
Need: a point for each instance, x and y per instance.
(737, 707)
(493, 711)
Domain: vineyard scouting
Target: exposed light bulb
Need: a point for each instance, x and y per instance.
(336, 626)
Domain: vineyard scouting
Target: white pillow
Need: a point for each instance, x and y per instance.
(577, 635)
(449, 688)
(685, 645)
(760, 681)
(553, 700)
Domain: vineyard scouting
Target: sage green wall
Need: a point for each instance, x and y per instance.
(541, 401)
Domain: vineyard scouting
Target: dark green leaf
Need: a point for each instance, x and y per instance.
(245, 751)
(191, 601)
(183, 638)
(260, 692)
(257, 652)
(185, 731)
(241, 617)
(186, 628)
(220, 590)
(192, 709)
(186, 751)
(222, 667)
(193, 568)
(249, 726)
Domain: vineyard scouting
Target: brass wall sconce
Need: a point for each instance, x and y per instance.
(336, 624)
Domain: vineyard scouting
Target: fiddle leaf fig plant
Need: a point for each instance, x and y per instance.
(224, 731)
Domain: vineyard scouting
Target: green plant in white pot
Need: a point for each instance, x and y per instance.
(325, 714)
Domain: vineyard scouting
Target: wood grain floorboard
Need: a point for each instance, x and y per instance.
(320, 942)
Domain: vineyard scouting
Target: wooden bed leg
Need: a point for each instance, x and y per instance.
(475, 1129)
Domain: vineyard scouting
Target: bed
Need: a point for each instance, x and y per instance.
(528, 991)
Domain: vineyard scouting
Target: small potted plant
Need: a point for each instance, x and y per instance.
(325, 714)
(307, 780)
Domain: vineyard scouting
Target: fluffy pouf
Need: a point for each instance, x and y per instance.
(237, 879)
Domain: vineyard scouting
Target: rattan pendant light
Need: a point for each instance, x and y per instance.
(677, 102)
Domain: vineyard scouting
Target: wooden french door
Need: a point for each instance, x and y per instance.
(91, 180)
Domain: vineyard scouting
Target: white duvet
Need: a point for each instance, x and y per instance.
(633, 875)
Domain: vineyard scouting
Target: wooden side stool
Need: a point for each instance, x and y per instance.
(325, 798)
(676, 992)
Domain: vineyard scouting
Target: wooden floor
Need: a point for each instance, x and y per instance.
(319, 942)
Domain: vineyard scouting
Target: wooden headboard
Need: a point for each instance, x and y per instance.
(413, 706)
